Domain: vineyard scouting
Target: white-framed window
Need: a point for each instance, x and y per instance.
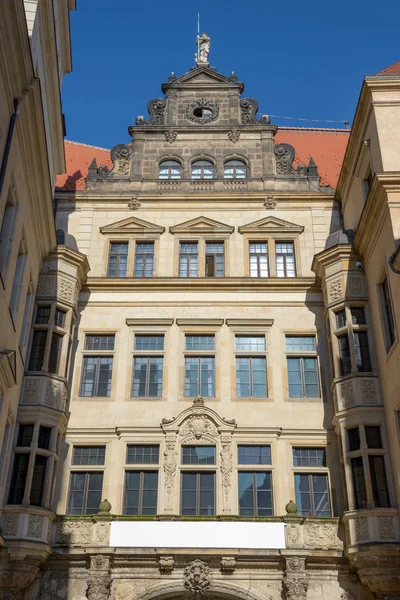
(311, 482)
(302, 366)
(235, 169)
(97, 365)
(199, 366)
(169, 169)
(251, 366)
(141, 479)
(255, 481)
(148, 363)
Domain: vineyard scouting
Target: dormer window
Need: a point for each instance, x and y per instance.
(235, 169)
(203, 113)
(169, 169)
(202, 169)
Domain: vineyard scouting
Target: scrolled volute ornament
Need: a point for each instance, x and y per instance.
(156, 110)
(121, 158)
(284, 157)
(249, 109)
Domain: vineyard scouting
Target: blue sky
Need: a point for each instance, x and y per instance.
(297, 59)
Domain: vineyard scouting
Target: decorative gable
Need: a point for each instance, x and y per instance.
(203, 76)
(132, 225)
(271, 225)
(202, 225)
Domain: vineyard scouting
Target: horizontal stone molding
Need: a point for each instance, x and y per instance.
(46, 390)
(200, 322)
(249, 322)
(149, 322)
(235, 185)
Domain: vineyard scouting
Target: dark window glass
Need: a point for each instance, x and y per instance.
(340, 318)
(99, 342)
(254, 455)
(378, 480)
(197, 493)
(198, 455)
(96, 376)
(312, 494)
(147, 376)
(144, 259)
(143, 455)
(141, 488)
(39, 474)
(258, 254)
(214, 259)
(303, 377)
(199, 376)
(353, 435)
(37, 350)
(118, 259)
(89, 455)
(42, 315)
(85, 493)
(344, 354)
(18, 480)
(360, 494)
(202, 169)
(285, 266)
(358, 315)
(169, 169)
(363, 360)
(373, 436)
(387, 313)
(200, 342)
(309, 457)
(55, 352)
(255, 494)
(235, 169)
(59, 318)
(188, 259)
(25, 434)
(44, 437)
(251, 377)
(149, 342)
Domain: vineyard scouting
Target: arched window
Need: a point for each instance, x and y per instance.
(202, 169)
(235, 169)
(169, 169)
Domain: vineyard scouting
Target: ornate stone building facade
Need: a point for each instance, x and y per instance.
(202, 411)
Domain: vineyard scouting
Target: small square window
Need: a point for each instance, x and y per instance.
(373, 436)
(200, 342)
(309, 457)
(149, 342)
(42, 315)
(358, 315)
(25, 435)
(300, 343)
(254, 455)
(250, 343)
(142, 455)
(89, 455)
(99, 342)
(198, 455)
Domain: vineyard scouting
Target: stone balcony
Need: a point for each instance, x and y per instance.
(356, 391)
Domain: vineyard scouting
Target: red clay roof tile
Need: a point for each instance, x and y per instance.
(392, 70)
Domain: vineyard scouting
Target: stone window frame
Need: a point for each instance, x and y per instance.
(315, 354)
(27, 320)
(270, 237)
(384, 275)
(207, 157)
(167, 157)
(131, 239)
(84, 468)
(312, 470)
(255, 440)
(148, 327)
(349, 329)
(201, 239)
(240, 157)
(154, 467)
(82, 353)
(20, 279)
(361, 421)
(11, 209)
(196, 468)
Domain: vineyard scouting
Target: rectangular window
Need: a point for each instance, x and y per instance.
(89, 455)
(251, 377)
(143, 455)
(353, 436)
(360, 494)
(387, 314)
(378, 481)
(340, 319)
(197, 494)
(255, 494)
(144, 259)
(312, 494)
(25, 435)
(358, 315)
(214, 259)
(44, 437)
(250, 343)
(285, 266)
(99, 342)
(18, 480)
(96, 376)
(188, 259)
(198, 455)
(59, 318)
(200, 342)
(363, 360)
(149, 342)
(309, 457)
(7, 235)
(42, 315)
(344, 354)
(141, 488)
(300, 343)
(118, 259)
(302, 370)
(373, 436)
(55, 352)
(147, 376)
(258, 254)
(199, 376)
(18, 283)
(85, 493)
(39, 475)
(254, 455)
(37, 350)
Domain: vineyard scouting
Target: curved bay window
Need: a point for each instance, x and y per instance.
(202, 169)
(169, 169)
(235, 169)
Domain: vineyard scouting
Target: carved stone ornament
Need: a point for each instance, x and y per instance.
(270, 202)
(249, 109)
(100, 562)
(346, 595)
(228, 564)
(356, 286)
(35, 526)
(31, 387)
(170, 136)
(368, 392)
(226, 464)
(170, 462)
(347, 393)
(166, 564)
(296, 588)
(156, 110)
(66, 290)
(321, 535)
(386, 528)
(361, 529)
(284, 157)
(105, 507)
(46, 285)
(98, 588)
(234, 135)
(121, 158)
(9, 524)
(335, 290)
(292, 534)
(134, 204)
(199, 428)
(295, 564)
(74, 532)
(202, 103)
(197, 577)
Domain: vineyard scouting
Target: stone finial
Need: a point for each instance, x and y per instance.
(105, 507)
(291, 508)
(92, 171)
(172, 77)
(233, 77)
(312, 170)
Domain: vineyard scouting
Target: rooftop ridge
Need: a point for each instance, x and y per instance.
(333, 129)
(390, 70)
(86, 145)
